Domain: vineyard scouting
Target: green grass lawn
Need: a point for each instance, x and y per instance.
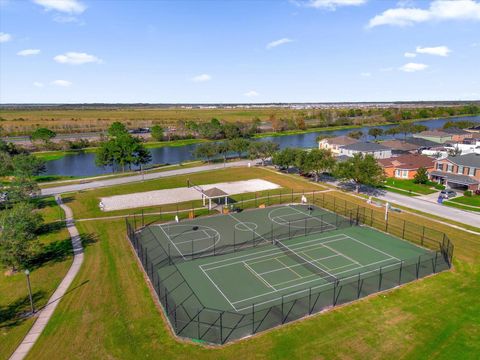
(410, 186)
(111, 313)
(85, 204)
(471, 203)
(45, 277)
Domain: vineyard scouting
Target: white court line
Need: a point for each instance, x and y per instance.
(273, 252)
(258, 276)
(286, 267)
(168, 237)
(373, 248)
(313, 287)
(246, 226)
(194, 240)
(342, 254)
(313, 217)
(220, 291)
(271, 271)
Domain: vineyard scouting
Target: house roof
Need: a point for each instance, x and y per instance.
(366, 147)
(407, 162)
(341, 140)
(470, 160)
(455, 178)
(399, 145)
(456, 131)
(433, 133)
(214, 192)
(421, 143)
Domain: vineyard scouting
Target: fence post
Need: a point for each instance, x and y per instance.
(358, 286)
(380, 279)
(403, 230)
(253, 318)
(435, 263)
(418, 266)
(221, 328)
(400, 273)
(282, 309)
(310, 301)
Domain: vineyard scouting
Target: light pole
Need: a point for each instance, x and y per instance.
(30, 291)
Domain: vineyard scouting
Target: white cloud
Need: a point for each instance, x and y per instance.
(412, 67)
(365, 74)
(477, 44)
(62, 19)
(75, 58)
(439, 10)
(38, 84)
(251, 93)
(62, 83)
(331, 4)
(278, 42)
(201, 78)
(409, 55)
(28, 52)
(65, 6)
(437, 50)
(4, 37)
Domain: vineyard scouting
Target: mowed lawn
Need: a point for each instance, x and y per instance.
(85, 204)
(45, 276)
(111, 314)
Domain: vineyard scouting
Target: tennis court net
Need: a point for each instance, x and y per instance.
(305, 262)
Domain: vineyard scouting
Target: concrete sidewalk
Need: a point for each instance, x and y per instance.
(137, 178)
(46, 313)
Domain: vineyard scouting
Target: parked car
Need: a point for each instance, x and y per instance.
(448, 193)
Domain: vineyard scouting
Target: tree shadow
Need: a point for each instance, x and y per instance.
(67, 199)
(51, 227)
(58, 251)
(16, 312)
(41, 203)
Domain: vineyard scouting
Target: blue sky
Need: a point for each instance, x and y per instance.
(74, 51)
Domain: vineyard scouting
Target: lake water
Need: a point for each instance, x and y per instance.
(83, 164)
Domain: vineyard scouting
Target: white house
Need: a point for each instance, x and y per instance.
(378, 151)
(336, 143)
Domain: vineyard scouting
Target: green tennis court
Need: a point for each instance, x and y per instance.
(276, 254)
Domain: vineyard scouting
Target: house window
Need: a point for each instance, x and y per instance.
(460, 169)
(401, 174)
(440, 166)
(471, 172)
(449, 168)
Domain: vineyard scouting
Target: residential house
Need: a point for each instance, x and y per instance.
(438, 136)
(336, 143)
(378, 151)
(458, 135)
(400, 147)
(421, 143)
(458, 172)
(406, 166)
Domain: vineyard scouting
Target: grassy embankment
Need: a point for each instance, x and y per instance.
(48, 270)
(114, 316)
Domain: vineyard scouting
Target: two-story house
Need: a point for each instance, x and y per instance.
(406, 166)
(458, 172)
(378, 151)
(336, 143)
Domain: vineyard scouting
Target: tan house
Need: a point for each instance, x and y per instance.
(459, 172)
(336, 143)
(406, 166)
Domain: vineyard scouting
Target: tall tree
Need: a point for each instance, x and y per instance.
(357, 134)
(206, 151)
(318, 161)
(26, 165)
(239, 145)
(375, 132)
(43, 134)
(362, 170)
(117, 129)
(262, 150)
(157, 132)
(421, 177)
(18, 236)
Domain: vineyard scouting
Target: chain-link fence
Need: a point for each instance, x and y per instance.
(189, 317)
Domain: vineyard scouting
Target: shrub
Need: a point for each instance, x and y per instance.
(467, 193)
(439, 187)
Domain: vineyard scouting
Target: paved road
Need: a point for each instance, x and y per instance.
(137, 178)
(429, 207)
